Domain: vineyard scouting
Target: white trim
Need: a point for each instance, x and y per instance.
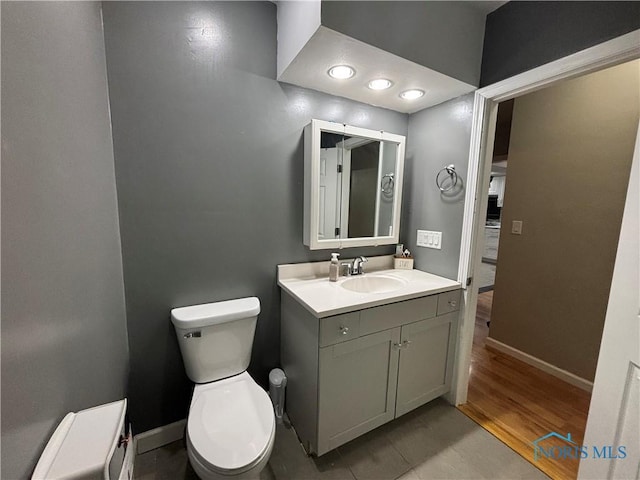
(128, 464)
(376, 223)
(156, 438)
(540, 364)
(613, 52)
(345, 191)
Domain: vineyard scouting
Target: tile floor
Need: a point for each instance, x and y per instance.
(435, 441)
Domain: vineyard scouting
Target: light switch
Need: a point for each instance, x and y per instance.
(429, 239)
(516, 227)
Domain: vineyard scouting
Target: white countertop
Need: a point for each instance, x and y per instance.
(309, 284)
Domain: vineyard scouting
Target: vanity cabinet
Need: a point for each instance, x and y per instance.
(424, 371)
(350, 373)
(357, 387)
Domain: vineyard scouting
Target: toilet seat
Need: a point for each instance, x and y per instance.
(231, 424)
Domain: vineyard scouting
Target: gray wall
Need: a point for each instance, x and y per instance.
(522, 35)
(444, 36)
(64, 340)
(438, 136)
(209, 167)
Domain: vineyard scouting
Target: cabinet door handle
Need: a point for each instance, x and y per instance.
(344, 330)
(402, 344)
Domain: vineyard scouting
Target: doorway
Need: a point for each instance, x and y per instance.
(495, 198)
(515, 371)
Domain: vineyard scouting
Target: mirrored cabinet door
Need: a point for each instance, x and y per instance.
(353, 184)
(330, 187)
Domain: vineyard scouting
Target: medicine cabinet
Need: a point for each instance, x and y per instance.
(352, 186)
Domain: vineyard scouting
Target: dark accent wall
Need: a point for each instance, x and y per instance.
(522, 35)
(445, 36)
(64, 338)
(209, 168)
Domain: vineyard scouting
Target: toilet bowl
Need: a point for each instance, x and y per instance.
(231, 424)
(231, 428)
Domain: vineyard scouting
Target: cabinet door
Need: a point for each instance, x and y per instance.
(426, 356)
(357, 387)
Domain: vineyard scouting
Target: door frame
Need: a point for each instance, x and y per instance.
(608, 54)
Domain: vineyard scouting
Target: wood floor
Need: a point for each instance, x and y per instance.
(519, 403)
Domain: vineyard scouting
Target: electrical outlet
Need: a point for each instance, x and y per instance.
(516, 227)
(429, 239)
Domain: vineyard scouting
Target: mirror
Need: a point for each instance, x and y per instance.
(353, 186)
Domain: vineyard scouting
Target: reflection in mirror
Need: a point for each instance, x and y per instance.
(330, 185)
(363, 178)
(357, 186)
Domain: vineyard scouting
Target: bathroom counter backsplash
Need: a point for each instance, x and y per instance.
(309, 284)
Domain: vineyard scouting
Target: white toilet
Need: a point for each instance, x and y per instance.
(231, 427)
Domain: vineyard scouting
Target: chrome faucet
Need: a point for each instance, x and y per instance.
(356, 269)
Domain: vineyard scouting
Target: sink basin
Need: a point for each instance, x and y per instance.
(373, 284)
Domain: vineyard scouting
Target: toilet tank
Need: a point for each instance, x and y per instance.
(216, 338)
(92, 444)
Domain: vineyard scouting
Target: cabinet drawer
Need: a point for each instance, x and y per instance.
(339, 328)
(395, 314)
(448, 302)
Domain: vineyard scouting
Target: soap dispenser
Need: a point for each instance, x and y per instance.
(334, 268)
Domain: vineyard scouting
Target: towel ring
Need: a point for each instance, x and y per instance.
(450, 170)
(387, 184)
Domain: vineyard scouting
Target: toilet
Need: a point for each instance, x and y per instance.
(231, 426)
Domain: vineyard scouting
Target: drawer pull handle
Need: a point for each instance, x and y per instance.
(453, 303)
(344, 330)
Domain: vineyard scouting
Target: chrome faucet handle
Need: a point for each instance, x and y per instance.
(357, 265)
(363, 260)
(346, 269)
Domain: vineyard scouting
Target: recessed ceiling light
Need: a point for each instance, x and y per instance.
(412, 94)
(341, 72)
(380, 84)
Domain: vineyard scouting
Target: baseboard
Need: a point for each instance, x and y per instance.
(156, 438)
(541, 364)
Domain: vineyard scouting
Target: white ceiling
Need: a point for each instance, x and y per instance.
(327, 48)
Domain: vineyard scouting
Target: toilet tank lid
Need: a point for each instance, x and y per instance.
(215, 313)
(83, 444)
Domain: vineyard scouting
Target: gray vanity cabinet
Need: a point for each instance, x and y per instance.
(350, 373)
(425, 351)
(357, 387)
